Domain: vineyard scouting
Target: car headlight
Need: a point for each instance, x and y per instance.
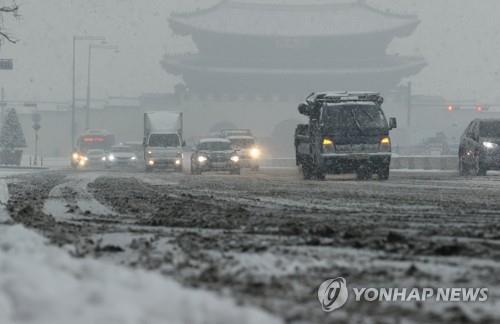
(202, 159)
(133, 158)
(235, 158)
(490, 145)
(103, 158)
(254, 153)
(149, 152)
(75, 156)
(151, 162)
(328, 145)
(82, 162)
(177, 162)
(84, 158)
(111, 157)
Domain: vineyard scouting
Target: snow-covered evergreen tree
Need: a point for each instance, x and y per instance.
(11, 135)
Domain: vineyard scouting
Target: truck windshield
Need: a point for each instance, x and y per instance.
(214, 146)
(360, 117)
(489, 129)
(164, 140)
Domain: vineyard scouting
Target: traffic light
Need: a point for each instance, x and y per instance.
(481, 108)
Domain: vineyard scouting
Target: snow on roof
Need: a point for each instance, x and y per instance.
(321, 18)
(214, 139)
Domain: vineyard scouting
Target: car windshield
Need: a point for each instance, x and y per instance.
(242, 142)
(95, 152)
(358, 117)
(489, 129)
(164, 140)
(236, 132)
(121, 149)
(214, 146)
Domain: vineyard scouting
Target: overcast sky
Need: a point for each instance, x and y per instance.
(459, 38)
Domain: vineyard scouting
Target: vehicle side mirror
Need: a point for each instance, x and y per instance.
(304, 109)
(393, 123)
(144, 141)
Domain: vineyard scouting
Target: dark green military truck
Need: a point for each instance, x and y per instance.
(347, 133)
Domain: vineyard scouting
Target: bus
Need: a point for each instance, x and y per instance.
(91, 140)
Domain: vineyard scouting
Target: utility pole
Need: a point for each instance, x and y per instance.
(87, 110)
(73, 131)
(73, 97)
(3, 104)
(36, 117)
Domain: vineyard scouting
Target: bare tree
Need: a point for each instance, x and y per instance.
(7, 9)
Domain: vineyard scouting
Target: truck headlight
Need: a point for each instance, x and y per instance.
(235, 158)
(328, 145)
(111, 157)
(490, 145)
(385, 141)
(255, 153)
(385, 144)
(202, 159)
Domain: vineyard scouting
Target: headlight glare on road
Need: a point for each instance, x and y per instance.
(255, 153)
(111, 157)
(202, 159)
(235, 158)
(490, 145)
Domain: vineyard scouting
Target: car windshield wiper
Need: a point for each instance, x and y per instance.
(356, 122)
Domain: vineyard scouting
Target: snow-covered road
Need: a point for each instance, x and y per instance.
(269, 238)
(43, 284)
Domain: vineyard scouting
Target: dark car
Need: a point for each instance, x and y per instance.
(215, 154)
(479, 149)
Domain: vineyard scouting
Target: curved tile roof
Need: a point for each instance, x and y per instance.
(316, 19)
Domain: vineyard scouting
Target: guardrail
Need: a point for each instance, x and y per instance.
(415, 162)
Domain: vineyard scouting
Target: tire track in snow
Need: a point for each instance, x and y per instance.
(74, 193)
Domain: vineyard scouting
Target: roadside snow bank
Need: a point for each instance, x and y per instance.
(42, 284)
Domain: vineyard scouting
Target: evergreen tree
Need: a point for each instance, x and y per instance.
(11, 135)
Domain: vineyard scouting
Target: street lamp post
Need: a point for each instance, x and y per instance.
(91, 47)
(73, 100)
